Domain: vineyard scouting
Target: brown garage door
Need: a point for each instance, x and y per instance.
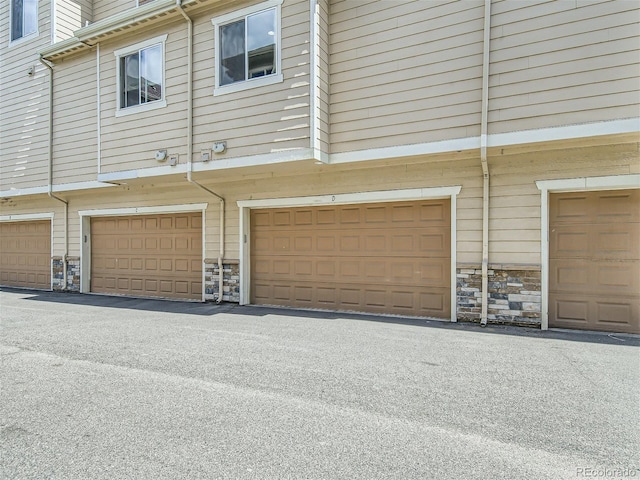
(148, 256)
(594, 261)
(390, 258)
(25, 254)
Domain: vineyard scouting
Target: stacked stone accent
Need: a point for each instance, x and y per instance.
(514, 294)
(73, 274)
(231, 274)
(57, 264)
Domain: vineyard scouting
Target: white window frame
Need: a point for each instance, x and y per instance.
(28, 36)
(123, 52)
(239, 15)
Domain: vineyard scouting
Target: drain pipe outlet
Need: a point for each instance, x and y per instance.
(190, 146)
(50, 173)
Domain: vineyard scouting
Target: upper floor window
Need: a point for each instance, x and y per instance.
(248, 47)
(24, 18)
(140, 70)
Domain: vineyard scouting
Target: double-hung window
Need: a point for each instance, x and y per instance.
(140, 71)
(24, 18)
(248, 47)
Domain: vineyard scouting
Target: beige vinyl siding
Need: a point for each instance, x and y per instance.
(70, 16)
(129, 142)
(558, 63)
(514, 207)
(259, 120)
(106, 8)
(24, 105)
(323, 69)
(404, 72)
(75, 149)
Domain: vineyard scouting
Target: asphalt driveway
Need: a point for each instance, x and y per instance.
(101, 387)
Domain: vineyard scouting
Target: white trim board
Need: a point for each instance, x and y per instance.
(25, 217)
(611, 182)
(106, 212)
(615, 127)
(382, 196)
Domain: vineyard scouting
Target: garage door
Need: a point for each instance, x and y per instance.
(390, 258)
(25, 254)
(148, 256)
(594, 261)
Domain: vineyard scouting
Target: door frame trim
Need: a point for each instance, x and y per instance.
(578, 184)
(380, 196)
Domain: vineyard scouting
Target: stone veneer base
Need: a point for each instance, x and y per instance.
(514, 294)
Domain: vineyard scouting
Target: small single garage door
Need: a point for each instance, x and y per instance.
(391, 258)
(25, 254)
(594, 261)
(147, 255)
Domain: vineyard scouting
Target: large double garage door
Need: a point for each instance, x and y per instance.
(594, 260)
(390, 258)
(147, 255)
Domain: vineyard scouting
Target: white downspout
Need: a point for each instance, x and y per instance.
(190, 146)
(485, 164)
(50, 173)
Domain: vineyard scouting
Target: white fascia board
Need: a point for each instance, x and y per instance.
(613, 127)
(60, 188)
(254, 160)
(569, 132)
(610, 182)
(351, 198)
(18, 192)
(444, 146)
(24, 217)
(142, 173)
(158, 209)
(70, 187)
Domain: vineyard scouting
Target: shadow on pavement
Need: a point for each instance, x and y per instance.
(211, 309)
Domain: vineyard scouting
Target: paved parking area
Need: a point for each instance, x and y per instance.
(100, 387)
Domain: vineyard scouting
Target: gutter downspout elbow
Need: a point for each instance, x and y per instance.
(190, 147)
(50, 172)
(484, 161)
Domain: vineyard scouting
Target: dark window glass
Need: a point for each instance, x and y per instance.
(248, 48)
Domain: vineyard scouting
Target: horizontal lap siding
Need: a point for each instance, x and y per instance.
(75, 149)
(323, 69)
(260, 120)
(70, 16)
(557, 63)
(129, 142)
(24, 106)
(106, 8)
(404, 72)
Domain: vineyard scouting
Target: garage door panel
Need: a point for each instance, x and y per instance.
(26, 254)
(377, 258)
(147, 256)
(594, 260)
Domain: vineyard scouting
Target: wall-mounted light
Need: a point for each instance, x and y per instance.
(161, 155)
(31, 71)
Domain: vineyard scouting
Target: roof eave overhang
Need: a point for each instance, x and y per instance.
(89, 36)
